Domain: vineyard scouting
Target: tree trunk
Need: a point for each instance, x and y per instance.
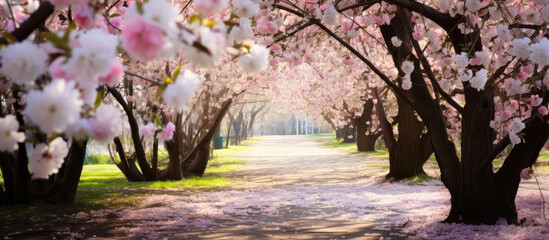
(6, 160)
(237, 125)
(231, 119)
(65, 190)
(347, 133)
(173, 171)
(199, 163)
(134, 130)
(253, 115)
(412, 149)
(59, 188)
(201, 153)
(366, 139)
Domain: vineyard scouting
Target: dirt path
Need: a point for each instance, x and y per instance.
(300, 161)
(294, 188)
(307, 184)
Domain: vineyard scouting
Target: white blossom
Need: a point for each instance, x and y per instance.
(47, 159)
(241, 32)
(104, 125)
(479, 80)
(531, 15)
(545, 13)
(256, 60)
(211, 47)
(465, 75)
(245, 8)
(517, 125)
(23, 62)
(484, 58)
(330, 15)
(94, 56)
(515, 139)
(395, 41)
(445, 84)
(55, 107)
(78, 130)
(407, 67)
(444, 5)
(9, 136)
(521, 47)
(473, 5)
(503, 32)
(160, 13)
(406, 82)
(539, 52)
(462, 60)
(495, 13)
(177, 94)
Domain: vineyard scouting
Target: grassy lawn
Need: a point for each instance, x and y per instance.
(104, 186)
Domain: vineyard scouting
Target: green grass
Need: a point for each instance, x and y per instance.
(104, 186)
(420, 178)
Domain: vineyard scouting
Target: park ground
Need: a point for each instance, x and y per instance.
(272, 187)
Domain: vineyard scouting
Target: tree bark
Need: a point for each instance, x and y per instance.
(231, 119)
(127, 166)
(412, 147)
(347, 133)
(65, 190)
(174, 169)
(6, 160)
(134, 130)
(201, 153)
(366, 137)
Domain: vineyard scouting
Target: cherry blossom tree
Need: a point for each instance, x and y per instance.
(410, 148)
(61, 77)
(452, 65)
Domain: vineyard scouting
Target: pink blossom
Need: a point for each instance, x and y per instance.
(535, 100)
(417, 36)
(84, 15)
(208, 7)
(264, 26)
(57, 71)
(147, 130)
(167, 132)
(276, 47)
(524, 174)
(543, 110)
(142, 39)
(104, 125)
(60, 3)
(10, 26)
(347, 61)
(115, 75)
(117, 22)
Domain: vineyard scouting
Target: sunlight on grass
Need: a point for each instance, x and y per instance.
(104, 186)
(419, 179)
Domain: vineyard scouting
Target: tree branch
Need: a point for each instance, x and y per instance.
(33, 22)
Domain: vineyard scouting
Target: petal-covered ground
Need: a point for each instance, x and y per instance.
(297, 189)
(294, 188)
